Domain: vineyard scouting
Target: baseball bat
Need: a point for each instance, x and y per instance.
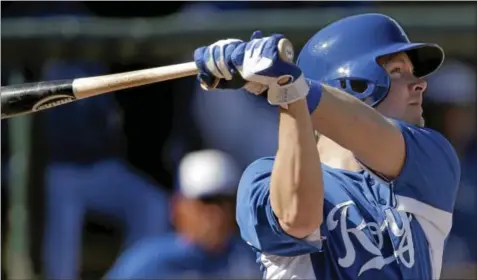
(27, 98)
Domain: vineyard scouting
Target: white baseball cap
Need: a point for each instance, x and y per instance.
(208, 173)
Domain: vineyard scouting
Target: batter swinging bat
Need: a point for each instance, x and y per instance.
(31, 97)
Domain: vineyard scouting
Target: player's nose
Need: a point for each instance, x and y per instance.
(418, 85)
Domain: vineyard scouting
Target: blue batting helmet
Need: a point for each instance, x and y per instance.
(344, 54)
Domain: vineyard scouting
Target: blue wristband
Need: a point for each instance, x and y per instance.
(314, 95)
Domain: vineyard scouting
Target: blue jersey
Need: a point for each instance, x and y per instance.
(372, 228)
(172, 257)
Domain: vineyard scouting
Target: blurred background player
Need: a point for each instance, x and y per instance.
(86, 174)
(206, 243)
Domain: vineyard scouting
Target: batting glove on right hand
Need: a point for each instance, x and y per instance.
(259, 64)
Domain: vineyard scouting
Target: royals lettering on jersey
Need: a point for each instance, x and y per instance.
(371, 229)
(404, 253)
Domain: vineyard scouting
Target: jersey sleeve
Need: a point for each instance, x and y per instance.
(258, 225)
(429, 179)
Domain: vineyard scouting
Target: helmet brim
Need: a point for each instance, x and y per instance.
(426, 58)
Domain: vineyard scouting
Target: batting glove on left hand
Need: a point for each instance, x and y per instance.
(259, 64)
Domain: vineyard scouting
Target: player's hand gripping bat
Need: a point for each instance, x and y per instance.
(31, 97)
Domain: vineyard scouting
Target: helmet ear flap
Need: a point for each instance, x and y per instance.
(359, 88)
(362, 88)
(356, 87)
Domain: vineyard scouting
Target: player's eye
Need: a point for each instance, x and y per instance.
(396, 71)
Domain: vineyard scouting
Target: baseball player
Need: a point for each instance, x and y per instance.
(205, 244)
(373, 197)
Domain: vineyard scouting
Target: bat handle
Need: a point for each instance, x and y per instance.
(285, 50)
(287, 54)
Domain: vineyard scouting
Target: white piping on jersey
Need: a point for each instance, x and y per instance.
(278, 267)
(436, 225)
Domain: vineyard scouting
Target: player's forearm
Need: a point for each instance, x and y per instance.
(296, 190)
(359, 128)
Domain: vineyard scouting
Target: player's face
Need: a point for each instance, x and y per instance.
(206, 219)
(218, 217)
(404, 100)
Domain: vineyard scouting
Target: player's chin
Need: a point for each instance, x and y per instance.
(418, 121)
(422, 122)
(415, 119)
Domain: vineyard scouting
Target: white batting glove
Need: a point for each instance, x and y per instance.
(260, 67)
